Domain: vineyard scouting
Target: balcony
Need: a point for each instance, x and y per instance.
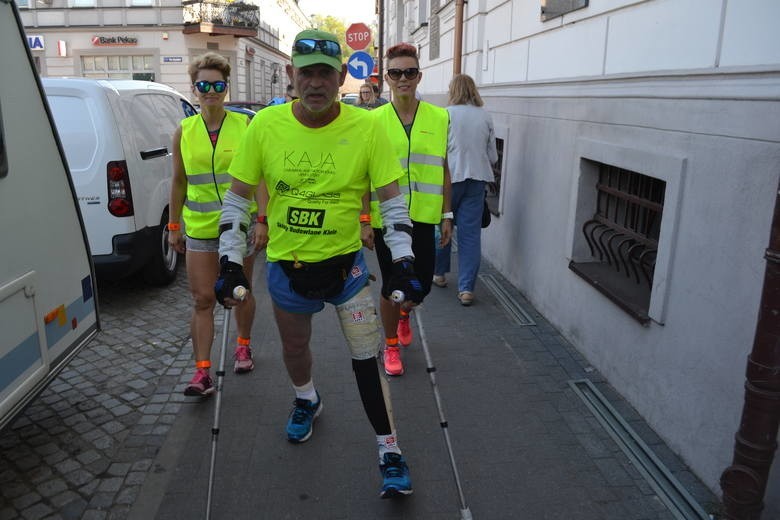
(220, 18)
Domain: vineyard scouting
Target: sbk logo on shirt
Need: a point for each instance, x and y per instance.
(310, 218)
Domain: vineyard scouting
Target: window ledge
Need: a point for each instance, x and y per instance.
(633, 298)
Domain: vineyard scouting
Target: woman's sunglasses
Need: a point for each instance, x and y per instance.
(205, 86)
(308, 46)
(409, 73)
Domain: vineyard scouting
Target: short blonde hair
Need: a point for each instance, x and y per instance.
(209, 61)
(463, 91)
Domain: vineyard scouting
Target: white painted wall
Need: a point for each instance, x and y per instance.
(683, 90)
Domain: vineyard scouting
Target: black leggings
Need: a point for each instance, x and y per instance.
(370, 388)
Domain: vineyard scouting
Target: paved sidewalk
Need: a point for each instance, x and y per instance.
(526, 445)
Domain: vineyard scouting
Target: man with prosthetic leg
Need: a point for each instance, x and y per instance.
(317, 158)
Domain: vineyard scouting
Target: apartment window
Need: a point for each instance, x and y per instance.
(140, 3)
(422, 13)
(622, 237)
(555, 8)
(494, 188)
(23, 3)
(81, 3)
(118, 67)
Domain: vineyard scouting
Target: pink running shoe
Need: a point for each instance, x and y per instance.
(392, 359)
(404, 331)
(243, 360)
(201, 384)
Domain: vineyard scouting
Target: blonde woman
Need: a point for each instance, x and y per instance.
(471, 149)
(203, 147)
(366, 97)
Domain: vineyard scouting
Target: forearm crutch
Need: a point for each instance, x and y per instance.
(239, 294)
(465, 512)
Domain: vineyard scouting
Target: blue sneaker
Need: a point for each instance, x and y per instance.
(395, 475)
(299, 425)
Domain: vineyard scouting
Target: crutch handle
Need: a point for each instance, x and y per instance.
(239, 292)
(398, 296)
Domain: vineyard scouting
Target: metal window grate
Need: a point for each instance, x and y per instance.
(624, 231)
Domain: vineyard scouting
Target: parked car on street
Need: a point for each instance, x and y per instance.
(349, 99)
(254, 106)
(240, 110)
(117, 136)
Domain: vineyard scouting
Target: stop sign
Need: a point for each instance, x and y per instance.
(358, 36)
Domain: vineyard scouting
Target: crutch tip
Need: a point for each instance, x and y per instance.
(465, 514)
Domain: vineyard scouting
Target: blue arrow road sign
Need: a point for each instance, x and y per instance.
(360, 65)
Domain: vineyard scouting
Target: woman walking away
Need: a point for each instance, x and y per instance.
(203, 147)
(471, 149)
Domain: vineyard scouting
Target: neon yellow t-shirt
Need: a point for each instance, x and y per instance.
(316, 178)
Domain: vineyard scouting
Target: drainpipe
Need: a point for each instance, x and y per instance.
(744, 482)
(380, 6)
(457, 52)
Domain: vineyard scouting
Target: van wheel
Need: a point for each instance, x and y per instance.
(161, 269)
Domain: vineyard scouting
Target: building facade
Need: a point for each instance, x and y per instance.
(640, 144)
(155, 40)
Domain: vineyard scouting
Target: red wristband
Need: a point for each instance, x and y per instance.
(365, 218)
(262, 219)
(174, 226)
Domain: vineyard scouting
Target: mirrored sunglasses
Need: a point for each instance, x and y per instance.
(205, 86)
(409, 73)
(309, 46)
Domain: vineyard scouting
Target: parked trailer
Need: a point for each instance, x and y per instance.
(48, 308)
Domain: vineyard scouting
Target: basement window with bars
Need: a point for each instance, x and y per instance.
(622, 236)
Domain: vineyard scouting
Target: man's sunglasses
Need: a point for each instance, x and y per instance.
(410, 73)
(205, 86)
(308, 46)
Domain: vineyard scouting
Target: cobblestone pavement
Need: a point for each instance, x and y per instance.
(82, 449)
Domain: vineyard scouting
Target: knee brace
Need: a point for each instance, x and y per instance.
(359, 324)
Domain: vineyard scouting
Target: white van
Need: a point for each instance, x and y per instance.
(117, 138)
(48, 310)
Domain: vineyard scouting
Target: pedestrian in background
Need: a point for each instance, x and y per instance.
(378, 95)
(314, 249)
(203, 147)
(471, 150)
(418, 133)
(366, 97)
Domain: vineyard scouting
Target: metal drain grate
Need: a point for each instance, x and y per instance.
(507, 301)
(680, 503)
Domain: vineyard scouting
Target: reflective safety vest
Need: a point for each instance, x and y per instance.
(422, 156)
(206, 167)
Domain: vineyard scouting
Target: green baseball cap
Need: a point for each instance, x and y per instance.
(312, 47)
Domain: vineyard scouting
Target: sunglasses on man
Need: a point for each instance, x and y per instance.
(410, 73)
(204, 86)
(310, 46)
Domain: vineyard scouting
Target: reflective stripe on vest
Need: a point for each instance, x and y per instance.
(206, 168)
(422, 156)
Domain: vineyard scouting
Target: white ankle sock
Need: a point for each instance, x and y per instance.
(306, 391)
(387, 444)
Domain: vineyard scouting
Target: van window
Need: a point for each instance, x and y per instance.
(148, 125)
(80, 142)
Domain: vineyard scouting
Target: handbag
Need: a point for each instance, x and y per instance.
(486, 217)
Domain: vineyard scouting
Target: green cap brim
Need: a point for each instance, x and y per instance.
(304, 60)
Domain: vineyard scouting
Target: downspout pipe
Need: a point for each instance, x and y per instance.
(457, 52)
(744, 482)
(380, 8)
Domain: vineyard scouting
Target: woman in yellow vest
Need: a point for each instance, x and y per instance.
(203, 147)
(418, 132)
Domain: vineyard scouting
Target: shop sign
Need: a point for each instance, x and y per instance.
(35, 42)
(114, 41)
(172, 59)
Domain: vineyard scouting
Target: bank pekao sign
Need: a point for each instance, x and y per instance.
(35, 42)
(114, 41)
